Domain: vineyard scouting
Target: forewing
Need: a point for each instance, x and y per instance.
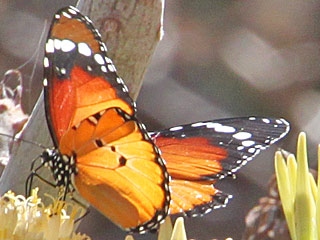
(79, 79)
(116, 166)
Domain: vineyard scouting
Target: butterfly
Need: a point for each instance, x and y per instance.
(105, 154)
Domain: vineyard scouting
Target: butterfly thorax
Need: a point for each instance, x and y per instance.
(62, 166)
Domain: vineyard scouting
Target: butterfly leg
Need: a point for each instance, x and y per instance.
(77, 201)
(29, 180)
(33, 173)
(84, 206)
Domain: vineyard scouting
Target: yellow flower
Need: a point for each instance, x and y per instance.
(22, 218)
(177, 233)
(167, 233)
(299, 193)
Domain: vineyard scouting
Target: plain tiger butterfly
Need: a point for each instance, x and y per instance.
(103, 152)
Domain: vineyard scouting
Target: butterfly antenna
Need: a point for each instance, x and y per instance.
(36, 56)
(23, 140)
(36, 53)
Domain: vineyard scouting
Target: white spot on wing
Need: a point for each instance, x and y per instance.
(242, 135)
(95, 30)
(72, 11)
(103, 69)
(240, 148)
(49, 46)
(63, 70)
(45, 62)
(108, 60)
(260, 146)
(67, 45)
(176, 128)
(213, 125)
(99, 59)
(88, 19)
(119, 80)
(198, 124)
(66, 15)
(125, 89)
(111, 67)
(266, 120)
(248, 143)
(251, 150)
(57, 44)
(104, 46)
(225, 129)
(45, 82)
(75, 9)
(84, 49)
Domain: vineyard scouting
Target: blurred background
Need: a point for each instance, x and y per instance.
(218, 59)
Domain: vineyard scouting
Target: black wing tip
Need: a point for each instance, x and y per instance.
(68, 10)
(282, 127)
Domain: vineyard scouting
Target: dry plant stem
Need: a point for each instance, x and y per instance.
(131, 30)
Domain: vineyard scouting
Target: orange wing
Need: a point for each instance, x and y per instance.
(114, 164)
(195, 198)
(118, 170)
(188, 161)
(190, 158)
(199, 154)
(79, 96)
(79, 79)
